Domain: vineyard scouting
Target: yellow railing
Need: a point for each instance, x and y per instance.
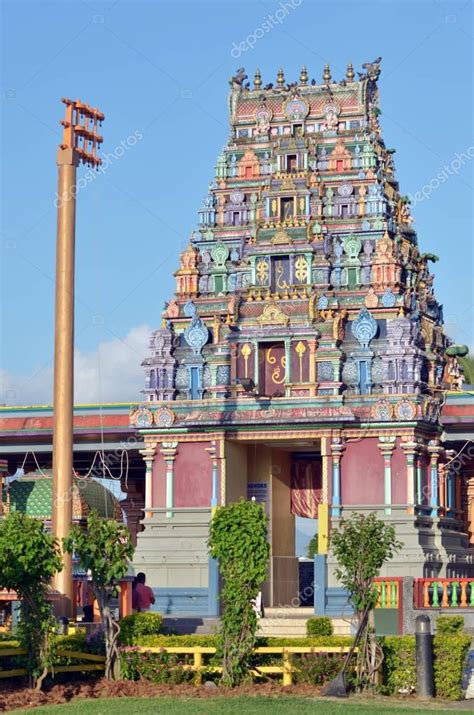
(286, 669)
(98, 664)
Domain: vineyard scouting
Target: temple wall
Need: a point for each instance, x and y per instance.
(192, 484)
(362, 473)
(399, 475)
(158, 486)
(284, 563)
(192, 476)
(236, 471)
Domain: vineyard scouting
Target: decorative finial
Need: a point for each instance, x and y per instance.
(350, 74)
(257, 81)
(327, 74)
(280, 78)
(303, 75)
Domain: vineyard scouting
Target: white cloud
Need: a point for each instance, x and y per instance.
(112, 373)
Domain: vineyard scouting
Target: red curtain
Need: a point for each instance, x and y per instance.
(305, 488)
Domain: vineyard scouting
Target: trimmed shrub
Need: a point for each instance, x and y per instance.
(450, 653)
(159, 667)
(319, 626)
(399, 665)
(210, 641)
(134, 627)
(449, 625)
(316, 668)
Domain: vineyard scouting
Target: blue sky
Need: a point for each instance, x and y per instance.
(162, 69)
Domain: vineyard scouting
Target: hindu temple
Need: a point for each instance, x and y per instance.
(301, 361)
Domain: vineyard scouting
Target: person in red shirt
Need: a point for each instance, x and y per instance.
(142, 596)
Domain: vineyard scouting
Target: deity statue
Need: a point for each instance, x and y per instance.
(339, 326)
(452, 374)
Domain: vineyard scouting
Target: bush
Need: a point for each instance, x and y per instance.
(319, 626)
(159, 667)
(210, 641)
(316, 668)
(450, 653)
(449, 625)
(399, 665)
(134, 627)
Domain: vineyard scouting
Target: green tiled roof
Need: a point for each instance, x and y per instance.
(32, 494)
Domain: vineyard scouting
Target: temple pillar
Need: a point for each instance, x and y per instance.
(434, 451)
(148, 454)
(323, 511)
(410, 448)
(168, 450)
(337, 449)
(418, 479)
(386, 446)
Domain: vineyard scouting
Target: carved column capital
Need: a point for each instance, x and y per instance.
(168, 450)
(387, 444)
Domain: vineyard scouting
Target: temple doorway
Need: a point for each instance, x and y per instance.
(284, 476)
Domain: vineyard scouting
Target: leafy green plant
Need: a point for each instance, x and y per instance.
(159, 667)
(361, 545)
(133, 627)
(104, 549)
(450, 653)
(319, 626)
(467, 364)
(211, 641)
(312, 549)
(449, 625)
(29, 558)
(399, 665)
(238, 540)
(316, 668)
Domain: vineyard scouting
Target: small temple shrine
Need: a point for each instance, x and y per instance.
(302, 359)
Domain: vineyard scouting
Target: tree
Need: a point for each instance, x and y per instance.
(361, 545)
(312, 549)
(467, 364)
(238, 540)
(104, 550)
(29, 558)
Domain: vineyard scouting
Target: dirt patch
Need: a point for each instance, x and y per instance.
(16, 696)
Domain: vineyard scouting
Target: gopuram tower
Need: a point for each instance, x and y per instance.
(302, 358)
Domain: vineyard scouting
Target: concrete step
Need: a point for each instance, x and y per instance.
(278, 623)
(187, 625)
(288, 612)
(294, 626)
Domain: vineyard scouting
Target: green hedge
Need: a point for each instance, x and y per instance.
(137, 625)
(319, 626)
(209, 641)
(450, 653)
(399, 668)
(449, 625)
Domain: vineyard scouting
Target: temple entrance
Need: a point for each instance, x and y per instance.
(284, 476)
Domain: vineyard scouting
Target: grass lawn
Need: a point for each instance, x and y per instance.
(231, 706)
